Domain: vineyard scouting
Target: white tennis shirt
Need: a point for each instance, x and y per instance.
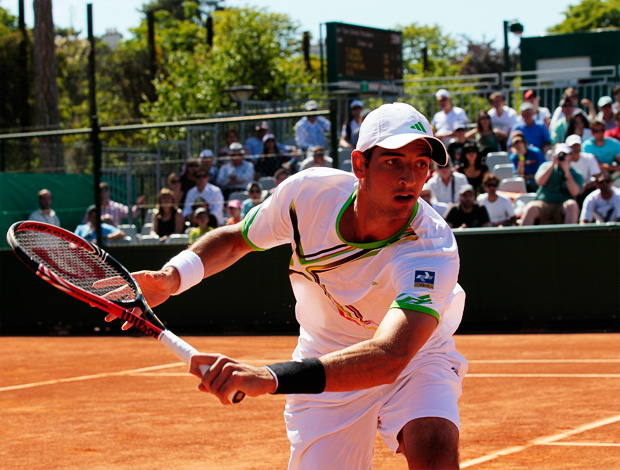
(344, 290)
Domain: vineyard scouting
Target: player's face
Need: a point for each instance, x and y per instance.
(394, 178)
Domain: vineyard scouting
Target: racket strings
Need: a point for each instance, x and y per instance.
(77, 265)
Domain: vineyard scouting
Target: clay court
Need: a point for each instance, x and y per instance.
(530, 402)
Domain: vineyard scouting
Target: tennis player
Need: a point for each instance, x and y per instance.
(374, 271)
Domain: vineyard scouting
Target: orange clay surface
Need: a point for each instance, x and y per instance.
(529, 402)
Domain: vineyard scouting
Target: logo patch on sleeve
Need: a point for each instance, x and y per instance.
(424, 279)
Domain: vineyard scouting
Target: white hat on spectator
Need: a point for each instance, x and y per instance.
(355, 103)
(604, 101)
(395, 125)
(311, 105)
(573, 139)
(561, 148)
(443, 93)
(266, 137)
(235, 147)
(525, 106)
(465, 188)
(206, 153)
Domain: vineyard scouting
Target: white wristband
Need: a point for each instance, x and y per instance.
(190, 268)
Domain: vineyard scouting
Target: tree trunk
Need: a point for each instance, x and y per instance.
(45, 87)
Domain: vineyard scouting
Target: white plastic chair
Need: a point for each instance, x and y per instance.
(513, 185)
(504, 170)
(497, 158)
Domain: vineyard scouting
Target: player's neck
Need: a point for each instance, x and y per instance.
(359, 224)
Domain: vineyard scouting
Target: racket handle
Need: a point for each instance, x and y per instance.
(185, 351)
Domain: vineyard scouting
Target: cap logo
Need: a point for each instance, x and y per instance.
(419, 127)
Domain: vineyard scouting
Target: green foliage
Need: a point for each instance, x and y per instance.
(589, 15)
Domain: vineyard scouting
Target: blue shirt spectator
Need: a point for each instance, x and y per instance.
(535, 133)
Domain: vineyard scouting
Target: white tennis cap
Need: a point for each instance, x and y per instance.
(573, 139)
(395, 125)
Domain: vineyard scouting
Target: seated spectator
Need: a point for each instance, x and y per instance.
(206, 159)
(535, 134)
(310, 130)
(485, 137)
(578, 125)
(209, 193)
(445, 183)
(272, 156)
(88, 231)
(605, 149)
(468, 214)
(351, 128)
(234, 212)
(254, 144)
(560, 125)
(427, 195)
(255, 191)
(317, 158)
(572, 94)
(113, 212)
(235, 174)
(585, 163)
(446, 121)
(558, 186)
(605, 112)
(615, 106)
(167, 217)
(503, 118)
(188, 178)
(542, 115)
(232, 137)
(472, 167)
(603, 204)
(615, 132)
(526, 160)
(280, 175)
(174, 185)
(201, 219)
(45, 213)
(500, 210)
(455, 147)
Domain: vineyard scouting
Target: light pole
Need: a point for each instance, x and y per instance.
(516, 28)
(241, 94)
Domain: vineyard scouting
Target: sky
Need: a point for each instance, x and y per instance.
(476, 19)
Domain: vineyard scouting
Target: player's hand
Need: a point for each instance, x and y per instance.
(227, 376)
(157, 286)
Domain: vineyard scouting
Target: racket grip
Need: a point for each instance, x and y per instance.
(185, 351)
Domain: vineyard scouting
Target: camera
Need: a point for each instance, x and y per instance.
(561, 157)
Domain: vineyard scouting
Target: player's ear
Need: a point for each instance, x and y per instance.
(357, 164)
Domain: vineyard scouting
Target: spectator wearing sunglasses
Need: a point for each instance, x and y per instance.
(210, 193)
(603, 204)
(499, 207)
(605, 149)
(255, 191)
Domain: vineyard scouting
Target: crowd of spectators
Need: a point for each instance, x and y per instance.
(570, 160)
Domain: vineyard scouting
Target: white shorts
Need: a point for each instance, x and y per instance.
(337, 430)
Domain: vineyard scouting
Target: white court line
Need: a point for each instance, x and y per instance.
(88, 377)
(549, 440)
(584, 444)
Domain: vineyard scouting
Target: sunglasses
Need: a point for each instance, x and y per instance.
(598, 131)
(255, 191)
(491, 185)
(606, 181)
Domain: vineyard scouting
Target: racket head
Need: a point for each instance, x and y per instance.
(74, 265)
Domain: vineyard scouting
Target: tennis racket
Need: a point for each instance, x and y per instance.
(88, 273)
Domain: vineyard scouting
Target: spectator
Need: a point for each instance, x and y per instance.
(616, 104)
(486, 138)
(113, 212)
(201, 219)
(167, 217)
(526, 160)
(174, 185)
(558, 186)
(235, 174)
(499, 208)
(427, 195)
(455, 147)
(254, 145)
(280, 175)
(615, 132)
(535, 134)
(573, 95)
(503, 118)
(255, 191)
(542, 115)
(578, 125)
(445, 183)
(232, 137)
(351, 128)
(45, 213)
(234, 212)
(272, 156)
(605, 112)
(585, 163)
(206, 159)
(605, 149)
(209, 193)
(603, 204)
(310, 130)
(472, 167)
(188, 178)
(560, 125)
(468, 214)
(88, 230)
(445, 121)
(317, 158)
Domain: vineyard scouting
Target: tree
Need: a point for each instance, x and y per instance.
(482, 58)
(46, 89)
(427, 51)
(589, 15)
